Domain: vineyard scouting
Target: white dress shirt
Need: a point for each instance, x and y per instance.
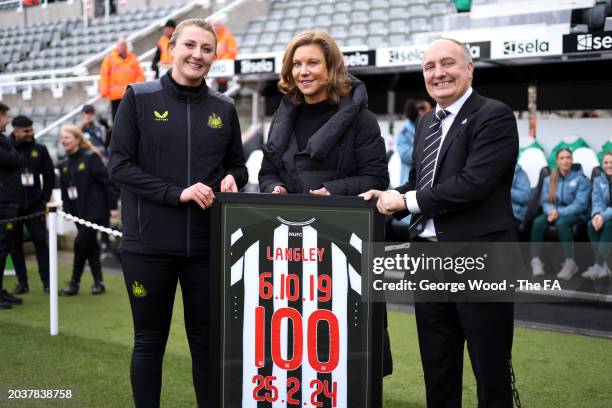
(411, 202)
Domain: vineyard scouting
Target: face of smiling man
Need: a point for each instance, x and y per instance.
(447, 73)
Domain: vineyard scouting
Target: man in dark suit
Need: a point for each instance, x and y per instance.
(459, 191)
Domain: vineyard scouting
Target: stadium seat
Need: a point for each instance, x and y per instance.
(379, 15)
(276, 14)
(323, 20)
(358, 30)
(587, 158)
(398, 26)
(360, 16)
(250, 40)
(400, 13)
(310, 11)
(292, 12)
(267, 39)
(419, 24)
(341, 19)
(378, 28)
(418, 10)
(343, 6)
(305, 22)
(339, 32)
(532, 161)
(283, 37)
(356, 40)
(396, 39)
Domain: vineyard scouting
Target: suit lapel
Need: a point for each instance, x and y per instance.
(460, 123)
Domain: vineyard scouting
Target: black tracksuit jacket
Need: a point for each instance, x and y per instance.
(11, 192)
(166, 138)
(36, 160)
(96, 196)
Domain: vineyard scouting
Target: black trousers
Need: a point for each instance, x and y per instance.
(151, 282)
(443, 328)
(7, 235)
(37, 227)
(86, 249)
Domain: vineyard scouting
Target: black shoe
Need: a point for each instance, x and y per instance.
(21, 288)
(70, 290)
(46, 289)
(8, 298)
(5, 305)
(98, 288)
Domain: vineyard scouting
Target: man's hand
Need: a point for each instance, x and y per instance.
(368, 195)
(389, 203)
(200, 193)
(597, 222)
(322, 192)
(279, 190)
(552, 216)
(228, 184)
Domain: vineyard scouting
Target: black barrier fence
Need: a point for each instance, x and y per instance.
(483, 272)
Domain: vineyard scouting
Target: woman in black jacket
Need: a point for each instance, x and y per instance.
(87, 194)
(322, 140)
(175, 142)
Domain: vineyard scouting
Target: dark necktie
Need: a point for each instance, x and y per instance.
(428, 165)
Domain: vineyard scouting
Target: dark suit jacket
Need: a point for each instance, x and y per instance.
(470, 196)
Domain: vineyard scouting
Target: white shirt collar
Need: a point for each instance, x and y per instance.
(455, 107)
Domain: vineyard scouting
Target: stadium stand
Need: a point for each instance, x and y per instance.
(66, 43)
(361, 23)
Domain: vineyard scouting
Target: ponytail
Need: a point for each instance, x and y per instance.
(554, 178)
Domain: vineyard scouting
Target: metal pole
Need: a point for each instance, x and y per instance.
(85, 22)
(107, 10)
(53, 307)
(255, 108)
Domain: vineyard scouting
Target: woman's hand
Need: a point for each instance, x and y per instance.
(597, 222)
(200, 193)
(279, 190)
(322, 192)
(228, 184)
(553, 215)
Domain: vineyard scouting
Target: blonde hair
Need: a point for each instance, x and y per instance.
(338, 82)
(554, 176)
(198, 22)
(78, 135)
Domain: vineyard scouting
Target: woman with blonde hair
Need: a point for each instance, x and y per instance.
(323, 140)
(175, 143)
(565, 201)
(86, 193)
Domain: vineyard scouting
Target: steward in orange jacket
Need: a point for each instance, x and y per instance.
(227, 46)
(119, 69)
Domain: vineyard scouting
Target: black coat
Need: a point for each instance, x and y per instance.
(470, 196)
(351, 138)
(11, 191)
(95, 194)
(165, 139)
(36, 160)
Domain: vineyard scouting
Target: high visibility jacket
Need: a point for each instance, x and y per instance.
(227, 47)
(117, 73)
(165, 55)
